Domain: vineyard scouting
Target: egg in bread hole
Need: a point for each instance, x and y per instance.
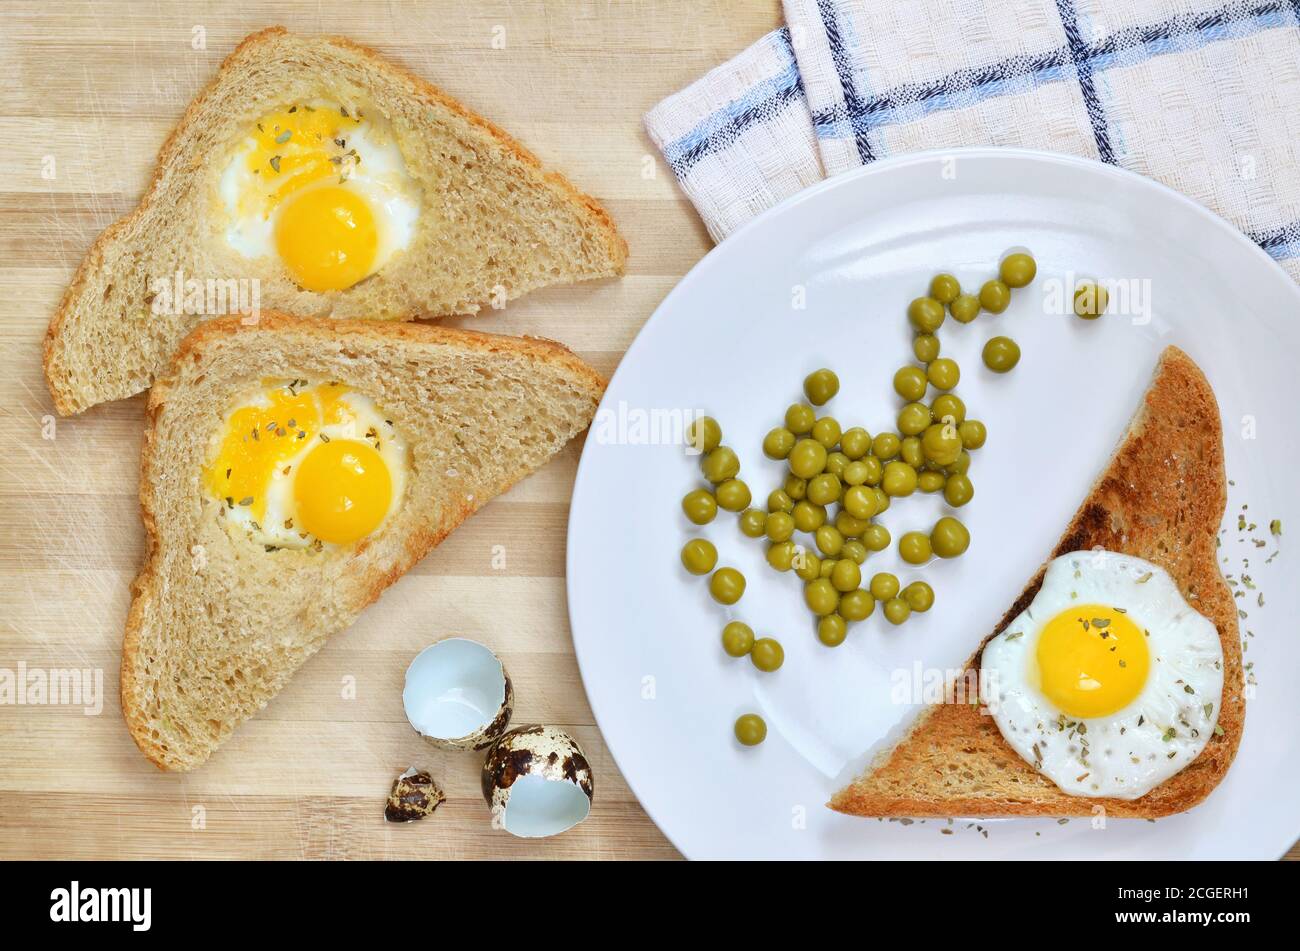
(322, 189)
(1109, 683)
(297, 464)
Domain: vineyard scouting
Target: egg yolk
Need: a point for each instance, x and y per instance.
(1092, 661)
(343, 491)
(327, 238)
(261, 439)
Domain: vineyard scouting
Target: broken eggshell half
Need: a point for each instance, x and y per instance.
(458, 695)
(537, 782)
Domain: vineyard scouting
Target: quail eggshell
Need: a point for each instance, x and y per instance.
(537, 782)
(458, 695)
(414, 796)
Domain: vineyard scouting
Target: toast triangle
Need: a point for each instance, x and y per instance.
(218, 622)
(493, 224)
(1161, 497)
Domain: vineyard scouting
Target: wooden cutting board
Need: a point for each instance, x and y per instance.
(90, 92)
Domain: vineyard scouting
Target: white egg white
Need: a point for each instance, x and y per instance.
(1129, 753)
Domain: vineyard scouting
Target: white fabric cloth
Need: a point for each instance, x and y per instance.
(1202, 96)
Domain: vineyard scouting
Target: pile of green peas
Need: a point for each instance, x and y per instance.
(840, 480)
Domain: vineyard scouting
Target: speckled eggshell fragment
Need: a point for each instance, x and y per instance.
(528, 754)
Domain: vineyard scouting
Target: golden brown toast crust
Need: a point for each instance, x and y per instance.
(1161, 498)
(67, 403)
(145, 586)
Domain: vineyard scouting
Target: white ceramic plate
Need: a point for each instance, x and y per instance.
(823, 280)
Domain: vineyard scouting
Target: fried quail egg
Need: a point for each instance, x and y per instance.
(299, 464)
(1109, 683)
(322, 189)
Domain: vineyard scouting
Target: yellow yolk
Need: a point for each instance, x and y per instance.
(327, 238)
(1092, 661)
(259, 440)
(342, 491)
(297, 146)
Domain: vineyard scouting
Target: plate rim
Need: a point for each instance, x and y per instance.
(761, 220)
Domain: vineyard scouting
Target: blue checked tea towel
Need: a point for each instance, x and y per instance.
(1204, 97)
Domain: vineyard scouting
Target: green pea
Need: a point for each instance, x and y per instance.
(875, 470)
(900, 479)
(965, 308)
(972, 433)
(897, 611)
(909, 383)
(737, 639)
(699, 556)
(700, 506)
(919, 596)
(835, 463)
(727, 585)
(720, 465)
(704, 434)
(857, 605)
(913, 418)
(806, 565)
(949, 537)
(808, 516)
(941, 444)
(1017, 270)
(855, 473)
(860, 502)
(832, 629)
(780, 555)
(885, 446)
(876, 537)
(925, 347)
(855, 443)
(959, 467)
(753, 523)
(779, 501)
(882, 498)
(767, 654)
(829, 540)
(910, 452)
(820, 386)
(958, 490)
(943, 373)
(948, 408)
(807, 458)
(930, 481)
(926, 314)
(780, 526)
(849, 526)
(828, 567)
(884, 586)
(854, 550)
(846, 575)
(827, 432)
(944, 288)
(1001, 354)
(821, 597)
(733, 495)
(750, 729)
(823, 489)
(799, 418)
(995, 296)
(795, 487)
(778, 443)
(914, 548)
(1090, 300)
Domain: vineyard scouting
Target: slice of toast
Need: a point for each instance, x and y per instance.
(492, 223)
(218, 622)
(1161, 498)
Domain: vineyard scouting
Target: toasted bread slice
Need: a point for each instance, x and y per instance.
(492, 223)
(218, 622)
(1161, 498)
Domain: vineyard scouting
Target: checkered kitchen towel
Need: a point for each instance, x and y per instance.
(1202, 96)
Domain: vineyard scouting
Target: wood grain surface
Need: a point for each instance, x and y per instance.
(90, 91)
